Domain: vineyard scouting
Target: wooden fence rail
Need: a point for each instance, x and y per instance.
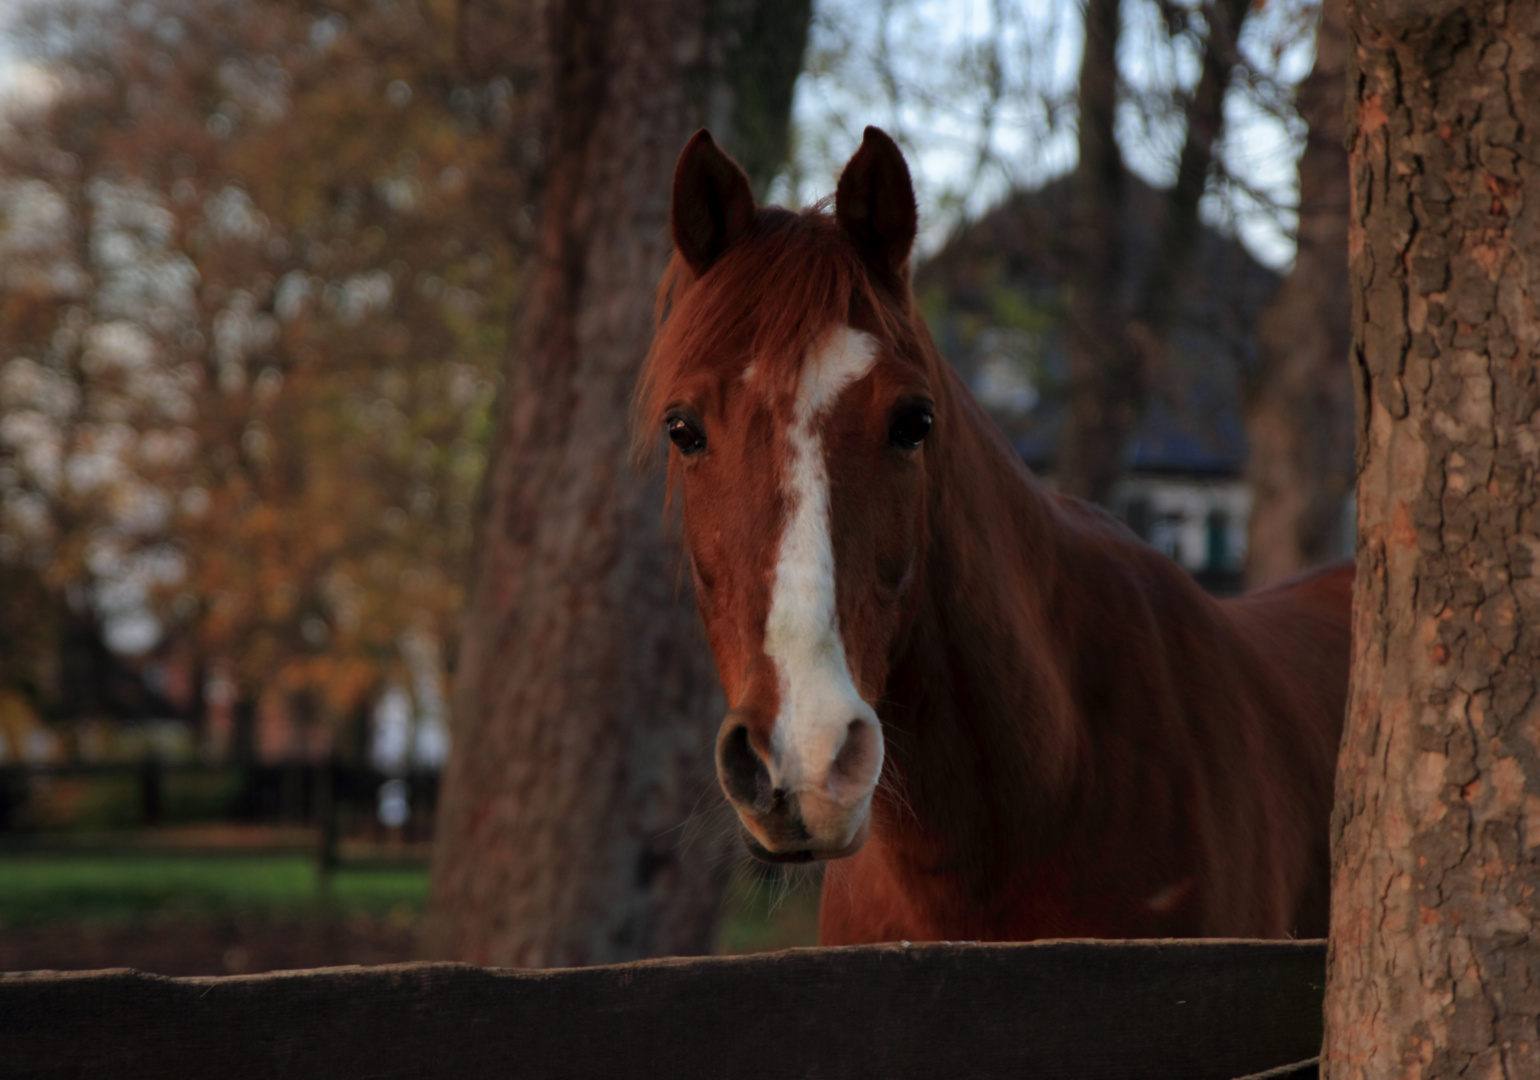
(1159, 1010)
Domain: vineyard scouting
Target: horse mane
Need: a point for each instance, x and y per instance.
(768, 301)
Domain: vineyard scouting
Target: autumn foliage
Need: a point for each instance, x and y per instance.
(256, 266)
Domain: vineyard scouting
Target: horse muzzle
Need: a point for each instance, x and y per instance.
(791, 811)
(804, 854)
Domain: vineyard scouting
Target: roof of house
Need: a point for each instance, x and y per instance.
(992, 297)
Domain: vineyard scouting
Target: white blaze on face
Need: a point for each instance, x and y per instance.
(802, 637)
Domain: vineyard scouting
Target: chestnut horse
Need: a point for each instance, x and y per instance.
(1002, 714)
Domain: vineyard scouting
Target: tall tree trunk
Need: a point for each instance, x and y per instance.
(1299, 407)
(584, 700)
(747, 89)
(1114, 339)
(1106, 390)
(1434, 966)
(1156, 311)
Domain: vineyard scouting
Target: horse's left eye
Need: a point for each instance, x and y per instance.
(684, 434)
(910, 427)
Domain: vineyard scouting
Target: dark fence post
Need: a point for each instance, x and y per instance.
(13, 793)
(150, 791)
(243, 752)
(328, 819)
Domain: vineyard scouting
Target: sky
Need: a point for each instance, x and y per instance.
(921, 73)
(19, 80)
(918, 68)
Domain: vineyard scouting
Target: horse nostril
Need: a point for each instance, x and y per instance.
(742, 772)
(859, 757)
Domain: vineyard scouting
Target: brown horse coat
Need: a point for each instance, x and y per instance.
(1022, 721)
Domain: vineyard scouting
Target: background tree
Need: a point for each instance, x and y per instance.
(249, 317)
(1299, 403)
(1436, 854)
(993, 102)
(1117, 342)
(585, 700)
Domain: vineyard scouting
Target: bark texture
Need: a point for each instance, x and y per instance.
(1434, 967)
(1299, 407)
(585, 702)
(756, 55)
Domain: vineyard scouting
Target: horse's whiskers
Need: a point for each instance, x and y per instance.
(898, 798)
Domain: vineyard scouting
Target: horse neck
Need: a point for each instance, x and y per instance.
(984, 731)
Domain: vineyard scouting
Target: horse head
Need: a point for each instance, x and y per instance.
(796, 386)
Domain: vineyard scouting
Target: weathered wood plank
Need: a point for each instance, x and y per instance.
(1081, 1010)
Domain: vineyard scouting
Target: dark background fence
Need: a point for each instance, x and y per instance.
(75, 805)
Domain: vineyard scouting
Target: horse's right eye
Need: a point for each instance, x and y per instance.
(911, 426)
(684, 434)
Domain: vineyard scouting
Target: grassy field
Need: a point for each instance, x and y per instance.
(36, 889)
(767, 909)
(763, 910)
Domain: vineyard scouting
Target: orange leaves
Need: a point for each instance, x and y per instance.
(345, 285)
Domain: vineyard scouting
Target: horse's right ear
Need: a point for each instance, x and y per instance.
(713, 202)
(875, 205)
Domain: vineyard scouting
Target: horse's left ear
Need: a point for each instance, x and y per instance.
(875, 206)
(713, 204)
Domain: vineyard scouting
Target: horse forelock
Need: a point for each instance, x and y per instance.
(766, 306)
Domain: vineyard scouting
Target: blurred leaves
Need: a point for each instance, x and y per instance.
(258, 261)
(258, 258)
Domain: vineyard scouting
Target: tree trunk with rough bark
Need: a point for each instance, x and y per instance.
(1434, 966)
(1115, 335)
(1299, 405)
(585, 702)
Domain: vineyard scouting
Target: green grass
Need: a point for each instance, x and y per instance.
(110, 888)
(768, 908)
(763, 910)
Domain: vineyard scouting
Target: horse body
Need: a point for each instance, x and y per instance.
(1082, 743)
(996, 713)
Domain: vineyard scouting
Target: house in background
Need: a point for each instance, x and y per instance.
(993, 299)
